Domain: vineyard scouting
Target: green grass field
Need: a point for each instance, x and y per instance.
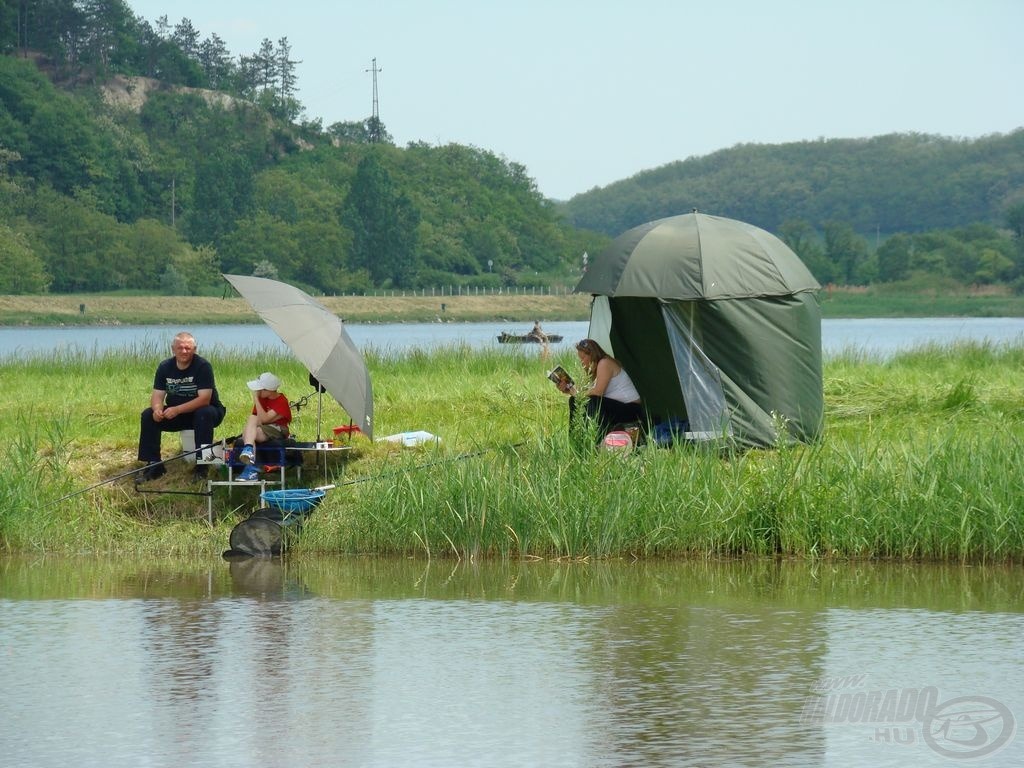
(921, 460)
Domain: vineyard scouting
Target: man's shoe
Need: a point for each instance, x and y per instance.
(153, 471)
(199, 473)
(248, 455)
(249, 475)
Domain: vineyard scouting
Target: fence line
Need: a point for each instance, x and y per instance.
(464, 290)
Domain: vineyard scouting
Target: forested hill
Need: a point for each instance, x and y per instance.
(127, 183)
(139, 156)
(896, 183)
(143, 158)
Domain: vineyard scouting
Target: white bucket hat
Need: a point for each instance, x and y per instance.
(266, 380)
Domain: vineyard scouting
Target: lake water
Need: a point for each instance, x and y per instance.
(377, 662)
(373, 662)
(876, 337)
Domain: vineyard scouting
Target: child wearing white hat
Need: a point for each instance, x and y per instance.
(269, 420)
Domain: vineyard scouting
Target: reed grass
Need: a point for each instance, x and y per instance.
(921, 460)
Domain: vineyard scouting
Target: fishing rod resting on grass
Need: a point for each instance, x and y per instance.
(356, 481)
(450, 460)
(297, 405)
(135, 471)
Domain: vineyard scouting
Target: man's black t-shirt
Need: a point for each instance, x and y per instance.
(184, 385)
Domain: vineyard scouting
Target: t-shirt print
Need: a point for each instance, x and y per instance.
(182, 387)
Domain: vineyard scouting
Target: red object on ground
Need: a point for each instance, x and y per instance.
(618, 441)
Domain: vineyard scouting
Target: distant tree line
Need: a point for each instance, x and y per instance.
(883, 185)
(975, 254)
(858, 211)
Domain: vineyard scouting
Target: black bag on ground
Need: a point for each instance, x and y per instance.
(265, 532)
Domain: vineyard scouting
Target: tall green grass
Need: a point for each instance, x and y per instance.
(921, 459)
(946, 497)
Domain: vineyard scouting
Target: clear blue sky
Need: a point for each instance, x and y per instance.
(587, 92)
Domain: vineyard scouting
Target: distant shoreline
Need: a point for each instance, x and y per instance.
(84, 310)
(103, 310)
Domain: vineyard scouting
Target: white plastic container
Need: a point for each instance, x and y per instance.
(411, 439)
(212, 453)
(188, 444)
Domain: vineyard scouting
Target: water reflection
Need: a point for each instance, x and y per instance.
(266, 578)
(362, 661)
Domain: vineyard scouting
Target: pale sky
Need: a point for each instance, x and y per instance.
(584, 93)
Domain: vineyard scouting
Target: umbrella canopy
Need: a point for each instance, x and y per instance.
(317, 337)
(696, 256)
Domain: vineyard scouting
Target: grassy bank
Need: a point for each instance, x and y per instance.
(153, 310)
(156, 310)
(921, 459)
(886, 303)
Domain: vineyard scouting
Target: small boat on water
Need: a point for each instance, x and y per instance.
(527, 338)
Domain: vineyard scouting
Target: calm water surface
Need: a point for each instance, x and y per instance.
(879, 337)
(365, 662)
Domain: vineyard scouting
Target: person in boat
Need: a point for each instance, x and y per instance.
(611, 398)
(537, 333)
(184, 396)
(271, 414)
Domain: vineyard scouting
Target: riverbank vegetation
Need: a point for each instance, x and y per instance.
(437, 305)
(424, 307)
(921, 460)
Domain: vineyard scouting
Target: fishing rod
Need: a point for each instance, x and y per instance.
(297, 405)
(168, 491)
(460, 457)
(303, 401)
(356, 481)
(135, 471)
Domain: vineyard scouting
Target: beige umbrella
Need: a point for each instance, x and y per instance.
(317, 338)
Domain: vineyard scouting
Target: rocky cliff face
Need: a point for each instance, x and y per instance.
(131, 93)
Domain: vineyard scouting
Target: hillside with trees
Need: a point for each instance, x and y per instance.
(858, 211)
(885, 184)
(122, 169)
(141, 157)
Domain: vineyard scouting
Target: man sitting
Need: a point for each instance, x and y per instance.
(537, 333)
(184, 396)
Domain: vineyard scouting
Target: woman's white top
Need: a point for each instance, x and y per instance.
(620, 387)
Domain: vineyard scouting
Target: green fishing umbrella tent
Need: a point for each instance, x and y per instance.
(717, 322)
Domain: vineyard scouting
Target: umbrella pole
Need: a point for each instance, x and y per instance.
(319, 410)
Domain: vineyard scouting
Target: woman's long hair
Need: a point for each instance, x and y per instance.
(594, 353)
